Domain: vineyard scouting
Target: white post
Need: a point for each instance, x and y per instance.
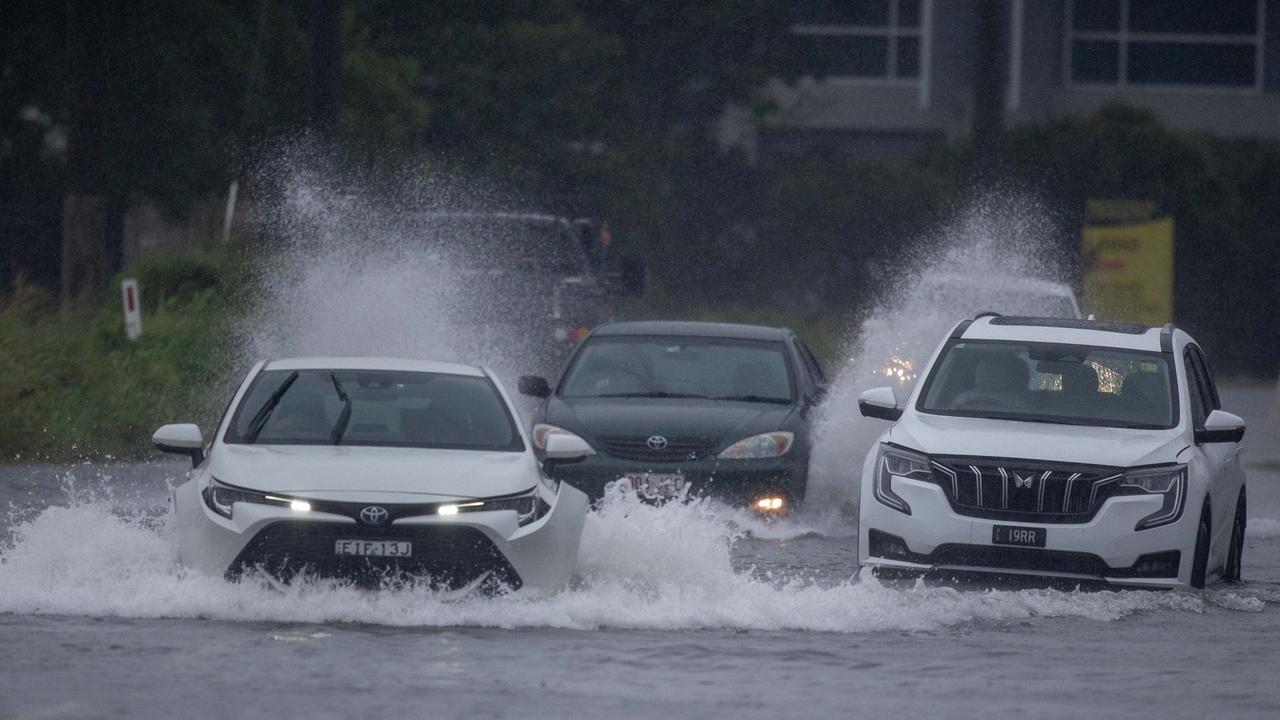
(132, 308)
(230, 214)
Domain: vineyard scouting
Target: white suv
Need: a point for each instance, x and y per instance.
(1057, 447)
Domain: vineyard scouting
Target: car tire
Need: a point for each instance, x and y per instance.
(1233, 573)
(1200, 561)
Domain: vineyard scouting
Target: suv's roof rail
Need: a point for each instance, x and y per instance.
(958, 330)
(987, 313)
(1166, 338)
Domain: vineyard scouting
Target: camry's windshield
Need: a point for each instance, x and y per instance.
(1047, 382)
(373, 407)
(681, 367)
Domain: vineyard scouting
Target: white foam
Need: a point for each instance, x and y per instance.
(642, 567)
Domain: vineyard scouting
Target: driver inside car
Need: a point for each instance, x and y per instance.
(999, 380)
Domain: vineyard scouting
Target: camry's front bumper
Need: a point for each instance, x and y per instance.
(1106, 549)
(739, 482)
(448, 550)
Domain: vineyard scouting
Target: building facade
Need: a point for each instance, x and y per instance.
(891, 75)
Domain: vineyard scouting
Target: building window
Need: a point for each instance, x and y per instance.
(872, 39)
(1189, 43)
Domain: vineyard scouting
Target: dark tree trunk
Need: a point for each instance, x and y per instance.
(326, 61)
(988, 88)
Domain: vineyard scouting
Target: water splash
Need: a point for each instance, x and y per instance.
(975, 263)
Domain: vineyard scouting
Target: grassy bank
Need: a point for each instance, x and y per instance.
(72, 386)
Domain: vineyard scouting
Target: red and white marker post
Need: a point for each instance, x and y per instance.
(132, 308)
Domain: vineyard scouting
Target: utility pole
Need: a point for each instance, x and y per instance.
(988, 88)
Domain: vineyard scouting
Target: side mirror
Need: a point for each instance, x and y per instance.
(1221, 427)
(880, 403)
(563, 449)
(534, 386)
(181, 439)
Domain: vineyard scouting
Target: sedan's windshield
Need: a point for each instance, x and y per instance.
(1046, 382)
(681, 367)
(374, 407)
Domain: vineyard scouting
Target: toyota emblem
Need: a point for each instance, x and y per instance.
(656, 442)
(374, 515)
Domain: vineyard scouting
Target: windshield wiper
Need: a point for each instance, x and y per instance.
(756, 399)
(264, 412)
(652, 394)
(344, 417)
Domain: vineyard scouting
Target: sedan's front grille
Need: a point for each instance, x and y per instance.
(640, 448)
(1025, 490)
(444, 556)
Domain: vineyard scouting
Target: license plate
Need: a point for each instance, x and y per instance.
(373, 548)
(656, 485)
(1020, 536)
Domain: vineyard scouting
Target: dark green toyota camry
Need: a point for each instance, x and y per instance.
(708, 408)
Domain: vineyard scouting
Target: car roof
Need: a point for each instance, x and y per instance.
(342, 362)
(689, 328)
(1071, 331)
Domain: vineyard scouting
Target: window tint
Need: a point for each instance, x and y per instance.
(388, 408)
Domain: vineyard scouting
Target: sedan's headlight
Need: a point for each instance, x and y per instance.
(221, 498)
(765, 445)
(528, 506)
(895, 462)
(1170, 482)
(542, 430)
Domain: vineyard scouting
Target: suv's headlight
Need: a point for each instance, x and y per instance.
(891, 462)
(764, 445)
(1171, 482)
(528, 506)
(542, 430)
(221, 498)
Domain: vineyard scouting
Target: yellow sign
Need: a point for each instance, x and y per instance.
(1128, 271)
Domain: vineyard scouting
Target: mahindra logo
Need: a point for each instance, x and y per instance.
(374, 515)
(1023, 482)
(656, 442)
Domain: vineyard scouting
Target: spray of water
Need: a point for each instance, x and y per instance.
(977, 262)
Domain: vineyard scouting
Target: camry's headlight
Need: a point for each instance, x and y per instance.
(895, 462)
(542, 430)
(221, 498)
(1170, 482)
(765, 445)
(528, 506)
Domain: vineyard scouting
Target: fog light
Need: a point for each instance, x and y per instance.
(769, 503)
(884, 545)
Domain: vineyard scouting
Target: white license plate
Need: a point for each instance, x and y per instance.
(656, 485)
(373, 548)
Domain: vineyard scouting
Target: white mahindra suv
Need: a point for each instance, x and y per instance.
(1057, 447)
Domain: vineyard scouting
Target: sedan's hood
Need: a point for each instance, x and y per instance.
(719, 420)
(327, 470)
(1115, 447)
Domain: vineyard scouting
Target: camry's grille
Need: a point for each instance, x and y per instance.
(1025, 490)
(444, 556)
(639, 448)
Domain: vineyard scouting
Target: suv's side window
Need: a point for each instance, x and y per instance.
(815, 370)
(1211, 394)
(1197, 385)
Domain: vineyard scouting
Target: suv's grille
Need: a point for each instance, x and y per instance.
(444, 556)
(1025, 490)
(638, 448)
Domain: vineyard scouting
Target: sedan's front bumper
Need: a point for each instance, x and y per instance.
(1105, 549)
(448, 551)
(738, 482)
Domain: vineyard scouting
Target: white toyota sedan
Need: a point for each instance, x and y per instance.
(378, 471)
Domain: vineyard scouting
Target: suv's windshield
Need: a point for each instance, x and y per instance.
(1047, 382)
(718, 368)
(374, 407)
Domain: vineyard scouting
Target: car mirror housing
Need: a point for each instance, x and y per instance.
(181, 439)
(1221, 427)
(563, 447)
(534, 386)
(880, 403)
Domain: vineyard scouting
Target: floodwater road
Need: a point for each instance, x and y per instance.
(686, 611)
